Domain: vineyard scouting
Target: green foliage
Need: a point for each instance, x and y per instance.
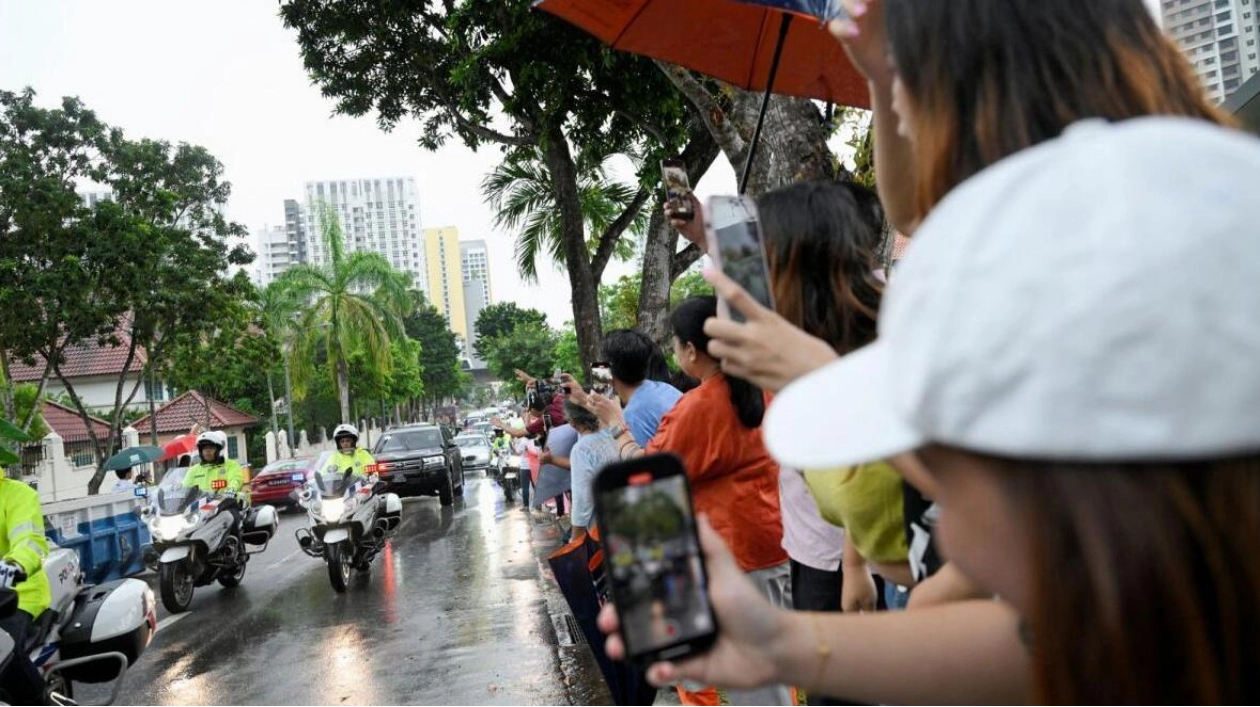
(230, 363)
(529, 347)
(339, 319)
(520, 191)
(10, 437)
(619, 302)
(439, 353)
(568, 355)
(25, 398)
(144, 270)
(500, 319)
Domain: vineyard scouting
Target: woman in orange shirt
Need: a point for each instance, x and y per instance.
(716, 430)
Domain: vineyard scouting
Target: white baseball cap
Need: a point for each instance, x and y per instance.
(1094, 298)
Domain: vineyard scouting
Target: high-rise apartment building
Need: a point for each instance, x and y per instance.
(377, 215)
(1219, 37)
(475, 271)
(274, 254)
(445, 277)
(295, 229)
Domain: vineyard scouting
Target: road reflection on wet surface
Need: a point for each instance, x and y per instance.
(456, 610)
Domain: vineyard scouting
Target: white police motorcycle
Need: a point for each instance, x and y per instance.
(193, 539)
(88, 633)
(350, 518)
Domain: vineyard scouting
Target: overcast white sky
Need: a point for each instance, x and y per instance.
(226, 74)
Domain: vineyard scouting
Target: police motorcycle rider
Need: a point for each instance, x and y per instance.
(23, 548)
(218, 475)
(349, 455)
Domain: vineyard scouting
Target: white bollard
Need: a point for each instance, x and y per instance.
(272, 448)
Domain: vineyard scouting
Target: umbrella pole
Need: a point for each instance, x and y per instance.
(765, 101)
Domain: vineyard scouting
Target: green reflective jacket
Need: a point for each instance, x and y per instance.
(23, 543)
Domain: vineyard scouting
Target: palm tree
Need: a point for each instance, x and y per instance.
(276, 307)
(520, 192)
(353, 303)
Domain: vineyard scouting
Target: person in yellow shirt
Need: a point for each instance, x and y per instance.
(349, 455)
(23, 548)
(216, 474)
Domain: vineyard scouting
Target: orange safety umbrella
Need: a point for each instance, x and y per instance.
(776, 46)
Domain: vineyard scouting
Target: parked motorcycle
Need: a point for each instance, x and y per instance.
(350, 517)
(195, 541)
(88, 633)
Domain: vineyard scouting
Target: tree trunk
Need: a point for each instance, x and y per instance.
(6, 387)
(153, 430)
(576, 254)
(288, 401)
(271, 395)
(658, 253)
(343, 388)
(662, 242)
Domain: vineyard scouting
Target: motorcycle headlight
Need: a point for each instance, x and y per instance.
(332, 508)
(169, 527)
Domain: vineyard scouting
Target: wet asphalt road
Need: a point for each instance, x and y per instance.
(456, 610)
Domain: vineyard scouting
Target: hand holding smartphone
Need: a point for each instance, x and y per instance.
(734, 237)
(601, 375)
(677, 190)
(658, 578)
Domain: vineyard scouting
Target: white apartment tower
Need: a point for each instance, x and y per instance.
(275, 254)
(1219, 37)
(377, 215)
(475, 268)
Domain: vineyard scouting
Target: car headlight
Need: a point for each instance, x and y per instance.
(434, 461)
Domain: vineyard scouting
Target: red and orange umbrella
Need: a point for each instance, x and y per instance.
(776, 46)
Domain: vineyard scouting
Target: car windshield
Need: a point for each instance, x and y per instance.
(470, 442)
(409, 441)
(172, 496)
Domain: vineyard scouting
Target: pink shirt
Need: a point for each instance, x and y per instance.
(807, 538)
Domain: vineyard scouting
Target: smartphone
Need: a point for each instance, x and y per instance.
(734, 235)
(656, 571)
(677, 189)
(601, 374)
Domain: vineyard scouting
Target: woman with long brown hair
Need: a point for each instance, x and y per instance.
(957, 85)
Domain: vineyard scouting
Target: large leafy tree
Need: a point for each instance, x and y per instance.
(276, 308)
(143, 270)
(439, 355)
(501, 319)
(57, 255)
(620, 300)
(530, 348)
(339, 317)
(498, 72)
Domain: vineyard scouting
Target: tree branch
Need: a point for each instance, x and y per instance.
(727, 137)
(487, 133)
(608, 239)
(682, 260)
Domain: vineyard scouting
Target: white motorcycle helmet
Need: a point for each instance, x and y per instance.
(345, 430)
(212, 437)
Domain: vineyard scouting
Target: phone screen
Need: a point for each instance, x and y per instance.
(735, 233)
(677, 189)
(601, 374)
(657, 574)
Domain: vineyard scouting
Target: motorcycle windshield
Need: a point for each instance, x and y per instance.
(330, 481)
(172, 496)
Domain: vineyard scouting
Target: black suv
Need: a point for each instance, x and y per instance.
(420, 460)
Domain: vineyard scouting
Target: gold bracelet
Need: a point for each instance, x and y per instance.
(823, 649)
